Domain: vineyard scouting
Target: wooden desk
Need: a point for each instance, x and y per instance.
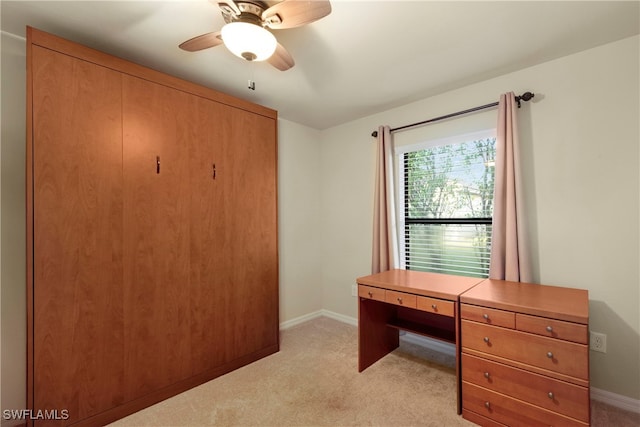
(423, 303)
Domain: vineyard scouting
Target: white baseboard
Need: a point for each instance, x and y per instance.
(298, 320)
(340, 317)
(617, 400)
(314, 315)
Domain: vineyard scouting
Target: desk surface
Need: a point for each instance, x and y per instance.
(436, 285)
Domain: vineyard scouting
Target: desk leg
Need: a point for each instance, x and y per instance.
(375, 338)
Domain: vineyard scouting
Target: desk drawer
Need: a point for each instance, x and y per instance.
(370, 292)
(400, 298)
(436, 306)
(507, 410)
(555, 395)
(552, 328)
(548, 353)
(490, 316)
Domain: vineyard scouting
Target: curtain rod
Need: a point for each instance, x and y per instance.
(524, 97)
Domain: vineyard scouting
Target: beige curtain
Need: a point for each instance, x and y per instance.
(385, 239)
(509, 247)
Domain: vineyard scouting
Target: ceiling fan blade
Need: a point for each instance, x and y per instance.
(204, 41)
(294, 13)
(281, 59)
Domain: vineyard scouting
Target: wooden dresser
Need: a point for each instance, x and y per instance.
(525, 355)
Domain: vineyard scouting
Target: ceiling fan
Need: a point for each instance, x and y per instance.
(246, 32)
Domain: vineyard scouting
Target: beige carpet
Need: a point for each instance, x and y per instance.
(314, 381)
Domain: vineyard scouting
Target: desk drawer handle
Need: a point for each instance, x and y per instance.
(435, 307)
(487, 375)
(551, 396)
(486, 339)
(487, 405)
(485, 316)
(399, 300)
(549, 328)
(550, 355)
(370, 294)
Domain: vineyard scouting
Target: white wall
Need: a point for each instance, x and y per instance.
(580, 145)
(299, 220)
(13, 328)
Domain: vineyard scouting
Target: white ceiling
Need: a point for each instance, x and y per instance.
(365, 57)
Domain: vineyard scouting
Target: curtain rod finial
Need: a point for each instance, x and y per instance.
(524, 97)
(527, 96)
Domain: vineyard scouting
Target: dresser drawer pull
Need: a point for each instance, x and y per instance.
(399, 300)
(550, 355)
(486, 339)
(435, 307)
(485, 316)
(551, 396)
(487, 375)
(487, 405)
(370, 294)
(549, 328)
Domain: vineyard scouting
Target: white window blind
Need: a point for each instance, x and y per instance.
(446, 204)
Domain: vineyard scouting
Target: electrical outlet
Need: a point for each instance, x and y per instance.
(354, 290)
(598, 342)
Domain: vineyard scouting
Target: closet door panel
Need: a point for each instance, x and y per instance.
(209, 265)
(250, 177)
(158, 124)
(77, 229)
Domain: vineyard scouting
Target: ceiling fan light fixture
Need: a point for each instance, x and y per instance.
(248, 41)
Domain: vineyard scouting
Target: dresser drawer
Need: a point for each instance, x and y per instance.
(548, 353)
(435, 305)
(400, 298)
(489, 316)
(370, 292)
(555, 395)
(507, 410)
(552, 328)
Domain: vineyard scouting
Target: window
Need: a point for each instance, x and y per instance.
(445, 204)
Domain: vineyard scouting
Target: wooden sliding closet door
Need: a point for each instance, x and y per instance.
(250, 175)
(76, 197)
(152, 241)
(158, 123)
(209, 264)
